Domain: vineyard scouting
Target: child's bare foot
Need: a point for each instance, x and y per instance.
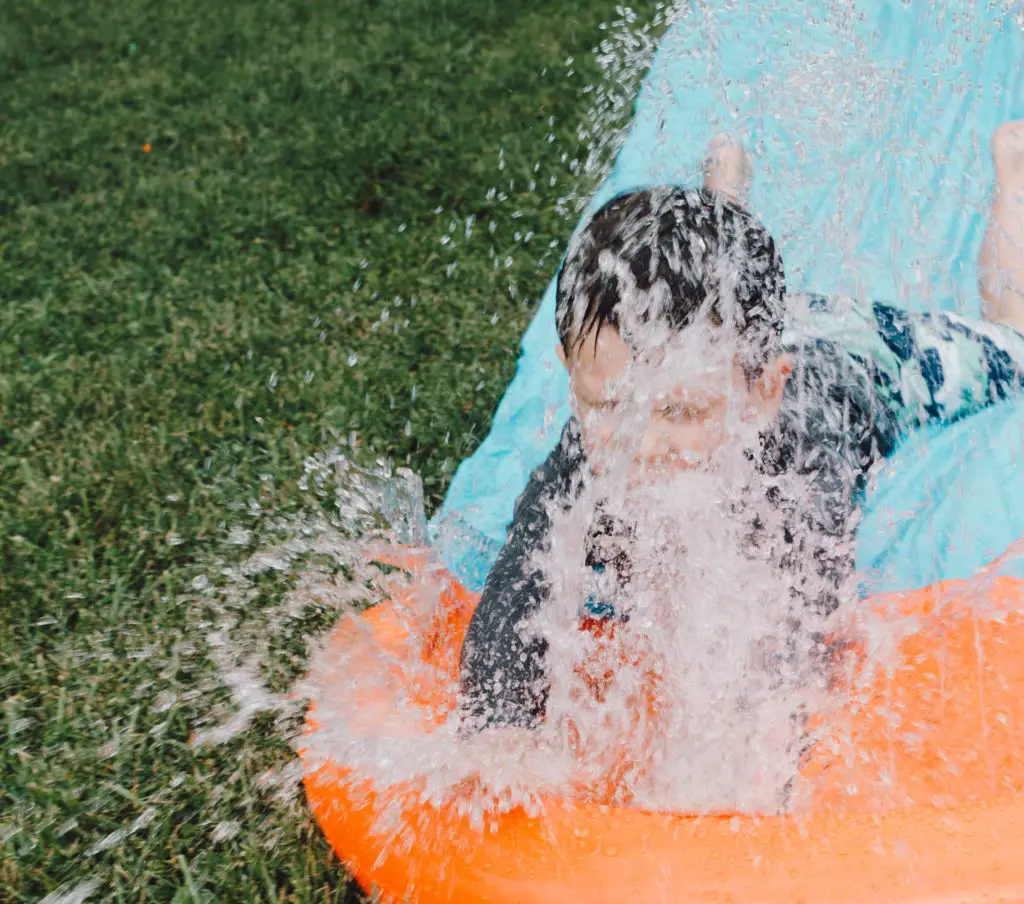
(1002, 257)
(728, 169)
(1008, 152)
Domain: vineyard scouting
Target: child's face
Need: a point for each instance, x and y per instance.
(667, 412)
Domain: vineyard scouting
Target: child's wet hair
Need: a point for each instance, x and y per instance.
(672, 254)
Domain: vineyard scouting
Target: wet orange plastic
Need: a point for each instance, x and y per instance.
(917, 794)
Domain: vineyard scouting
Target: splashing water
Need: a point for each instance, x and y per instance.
(73, 892)
(326, 558)
(699, 702)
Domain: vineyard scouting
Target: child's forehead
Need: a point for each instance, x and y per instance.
(602, 352)
(687, 363)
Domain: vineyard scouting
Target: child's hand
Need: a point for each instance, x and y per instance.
(506, 757)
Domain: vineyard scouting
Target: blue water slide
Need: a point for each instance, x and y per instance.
(869, 122)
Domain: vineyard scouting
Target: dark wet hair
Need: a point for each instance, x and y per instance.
(679, 249)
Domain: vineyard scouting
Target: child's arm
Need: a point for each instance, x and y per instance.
(829, 434)
(502, 673)
(503, 677)
(939, 368)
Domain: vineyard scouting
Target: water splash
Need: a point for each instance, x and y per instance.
(320, 563)
(75, 892)
(265, 618)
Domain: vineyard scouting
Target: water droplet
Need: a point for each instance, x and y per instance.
(73, 892)
(225, 831)
(239, 536)
(66, 827)
(109, 749)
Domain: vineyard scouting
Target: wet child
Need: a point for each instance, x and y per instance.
(670, 275)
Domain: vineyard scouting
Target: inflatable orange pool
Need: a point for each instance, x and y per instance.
(916, 794)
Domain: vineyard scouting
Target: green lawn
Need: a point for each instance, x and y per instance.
(214, 218)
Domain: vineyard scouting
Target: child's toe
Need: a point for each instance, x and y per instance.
(728, 167)
(1008, 149)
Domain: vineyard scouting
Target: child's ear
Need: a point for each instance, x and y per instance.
(774, 377)
(560, 351)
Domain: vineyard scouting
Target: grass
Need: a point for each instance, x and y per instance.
(215, 220)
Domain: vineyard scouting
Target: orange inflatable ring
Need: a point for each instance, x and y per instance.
(955, 833)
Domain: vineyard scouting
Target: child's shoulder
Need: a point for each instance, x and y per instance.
(833, 421)
(556, 478)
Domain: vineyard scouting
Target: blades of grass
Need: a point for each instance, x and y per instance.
(190, 883)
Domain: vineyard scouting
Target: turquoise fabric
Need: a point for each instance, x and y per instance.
(947, 503)
(870, 124)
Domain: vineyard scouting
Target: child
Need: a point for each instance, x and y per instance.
(651, 269)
